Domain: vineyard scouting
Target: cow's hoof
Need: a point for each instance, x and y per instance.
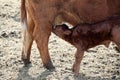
(49, 67)
(26, 62)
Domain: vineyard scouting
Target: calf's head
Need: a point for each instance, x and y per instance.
(62, 31)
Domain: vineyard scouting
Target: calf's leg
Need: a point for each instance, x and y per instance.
(78, 58)
(115, 36)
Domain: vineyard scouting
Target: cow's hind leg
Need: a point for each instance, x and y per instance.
(27, 41)
(41, 34)
(26, 49)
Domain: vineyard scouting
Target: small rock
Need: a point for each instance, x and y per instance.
(61, 60)
(113, 77)
(12, 34)
(1, 74)
(4, 34)
(6, 5)
(85, 63)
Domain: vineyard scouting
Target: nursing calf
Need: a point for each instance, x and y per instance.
(85, 36)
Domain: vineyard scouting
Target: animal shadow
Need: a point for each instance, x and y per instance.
(24, 74)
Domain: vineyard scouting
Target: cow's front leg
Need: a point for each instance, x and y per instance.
(42, 33)
(78, 58)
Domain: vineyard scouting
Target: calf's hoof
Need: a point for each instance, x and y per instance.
(76, 74)
(26, 62)
(76, 69)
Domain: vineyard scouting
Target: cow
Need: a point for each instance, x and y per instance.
(85, 36)
(39, 16)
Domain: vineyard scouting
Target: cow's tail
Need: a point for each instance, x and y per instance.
(23, 14)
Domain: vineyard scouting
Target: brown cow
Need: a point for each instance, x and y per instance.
(38, 17)
(85, 36)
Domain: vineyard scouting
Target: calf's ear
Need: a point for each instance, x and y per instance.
(67, 32)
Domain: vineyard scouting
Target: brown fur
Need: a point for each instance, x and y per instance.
(85, 36)
(38, 17)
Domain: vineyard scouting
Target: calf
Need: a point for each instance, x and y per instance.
(85, 36)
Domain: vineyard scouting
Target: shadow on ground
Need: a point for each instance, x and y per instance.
(45, 75)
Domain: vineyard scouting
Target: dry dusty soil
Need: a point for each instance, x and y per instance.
(99, 63)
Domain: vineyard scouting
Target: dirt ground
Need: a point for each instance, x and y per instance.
(99, 63)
